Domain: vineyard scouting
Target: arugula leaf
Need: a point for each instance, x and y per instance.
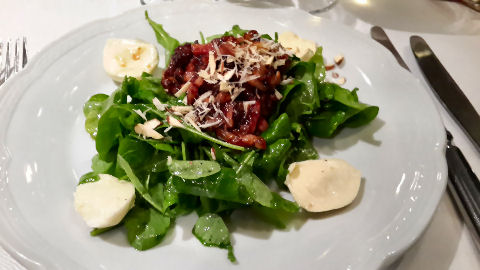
(135, 152)
(89, 178)
(92, 110)
(305, 99)
(317, 59)
(167, 42)
(279, 129)
(146, 227)
(98, 231)
(277, 218)
(145, 90)
(102, 166)
(272, 157)
(208, 205)
(114, 124)
(221, 185)
(302, 147)
(97, 105)
(201, 135)
(155, 201)
(262, 194)
(211, 231)
(236, 31)
(193, 169)
(342, 107)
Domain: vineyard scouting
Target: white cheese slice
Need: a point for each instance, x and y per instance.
(126, 57)
(104, 203)
(323, 185)
(302, 48)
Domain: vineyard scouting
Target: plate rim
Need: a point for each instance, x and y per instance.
(53, 48)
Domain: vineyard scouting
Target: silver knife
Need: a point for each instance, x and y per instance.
(446, 88)
(463, 184)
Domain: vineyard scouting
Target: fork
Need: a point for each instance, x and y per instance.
(12, 50)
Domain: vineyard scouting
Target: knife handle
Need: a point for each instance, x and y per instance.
(465, 188)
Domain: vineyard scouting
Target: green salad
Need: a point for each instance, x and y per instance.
(190, 169)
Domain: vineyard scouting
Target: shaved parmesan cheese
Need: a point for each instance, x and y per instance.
(201, 98)
(225, 87)
(248, 103)
(269, 60)
(228, 75)
(191, 122)
(279, 62)
(236, 92)
(286, 81)
(211, 63)
(183, 89)
(210, 124)
(278, 95)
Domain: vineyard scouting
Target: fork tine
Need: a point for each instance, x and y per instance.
(2, 68)
(7, 61)
(24, 58)
(16, 60)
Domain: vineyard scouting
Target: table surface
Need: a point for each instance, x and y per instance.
(451, 30)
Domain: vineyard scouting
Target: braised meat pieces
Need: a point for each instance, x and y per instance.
(230, 83)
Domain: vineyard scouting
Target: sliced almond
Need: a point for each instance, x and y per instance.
(141, 114)
(212, 152)
(341, 81)
(147, 130)
(182, 109)
(338, 59)
(158, 104)
(172, 121)
(335, 75)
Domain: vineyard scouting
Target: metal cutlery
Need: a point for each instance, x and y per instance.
(13, 57)
(446, 88)
(377, 33)
(463, 184)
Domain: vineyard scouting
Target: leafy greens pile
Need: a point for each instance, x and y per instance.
(190, 170)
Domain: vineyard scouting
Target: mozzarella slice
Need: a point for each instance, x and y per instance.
(126, 57)
(104, 203)
(323, 185)
(302, 48)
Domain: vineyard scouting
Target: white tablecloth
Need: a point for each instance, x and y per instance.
(452, 30)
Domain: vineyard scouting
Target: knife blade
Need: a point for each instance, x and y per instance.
(463, 184)
(446, 88)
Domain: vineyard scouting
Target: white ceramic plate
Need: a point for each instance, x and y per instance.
(44, 149)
